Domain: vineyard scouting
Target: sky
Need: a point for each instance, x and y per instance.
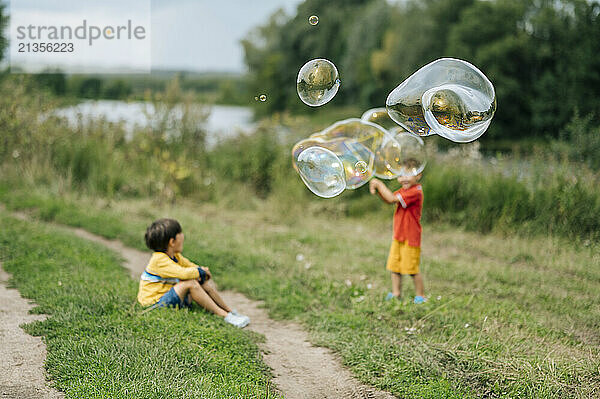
(195, 35)
(204, 35)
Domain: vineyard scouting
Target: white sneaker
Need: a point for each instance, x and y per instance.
(237, 320)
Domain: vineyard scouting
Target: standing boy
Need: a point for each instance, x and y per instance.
(405, 251)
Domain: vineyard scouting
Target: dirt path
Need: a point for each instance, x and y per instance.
(301, 370)
(22, 356)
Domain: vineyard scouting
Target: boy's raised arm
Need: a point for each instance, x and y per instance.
(386, 195)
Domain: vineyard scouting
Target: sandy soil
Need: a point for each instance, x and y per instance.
(22, 374)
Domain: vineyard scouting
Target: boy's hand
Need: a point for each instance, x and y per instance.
(207, 270)
(373, 184)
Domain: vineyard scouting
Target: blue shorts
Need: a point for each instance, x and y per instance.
(171, 300)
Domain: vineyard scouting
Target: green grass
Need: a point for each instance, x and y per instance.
(516, 316)
(101, 346)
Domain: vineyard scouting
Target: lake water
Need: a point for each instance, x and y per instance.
(224, 121)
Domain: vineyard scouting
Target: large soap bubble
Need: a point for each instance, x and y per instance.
(318, 82)
(322, 171)
(448, 97)
(380, 117)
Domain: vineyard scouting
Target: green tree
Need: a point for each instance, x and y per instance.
(359, 85)
(117, 90)
(3, 23)
(90, 88)
(566, 37)
(55, 81)
(491, 36)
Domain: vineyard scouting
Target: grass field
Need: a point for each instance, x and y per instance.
(507, 316)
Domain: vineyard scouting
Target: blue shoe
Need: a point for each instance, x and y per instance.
(420, 299)
(390, 296)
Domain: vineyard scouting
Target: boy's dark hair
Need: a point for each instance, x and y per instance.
(160, 232)
(411, 166)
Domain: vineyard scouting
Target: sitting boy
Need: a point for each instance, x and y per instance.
(173, 281)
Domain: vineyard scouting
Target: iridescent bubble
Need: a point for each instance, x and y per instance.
(448, 97)
(413, 156)
(354, 140)
(388, 159)
(263, 98)
(376, 139)
(380, 117)
(255, 98)
(313, 20)
(318, 82)
(361, 167)
(321, 171)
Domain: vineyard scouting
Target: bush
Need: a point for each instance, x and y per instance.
(583, 140)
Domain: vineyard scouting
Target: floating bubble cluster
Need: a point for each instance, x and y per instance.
(318, 82)
(313, 20)
(448, 97)
(347, 154)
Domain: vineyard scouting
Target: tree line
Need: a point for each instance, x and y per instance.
(543, 56)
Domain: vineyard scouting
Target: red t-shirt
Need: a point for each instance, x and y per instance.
(407, 218)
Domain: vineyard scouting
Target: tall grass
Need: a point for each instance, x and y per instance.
(547, 192)
(163, 160)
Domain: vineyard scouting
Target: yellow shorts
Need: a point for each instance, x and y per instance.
(403, 258)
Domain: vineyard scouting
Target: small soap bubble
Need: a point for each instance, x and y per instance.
(255, 98)
(313, 20)
(317, 82)
(361, 167)
(263, 98)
